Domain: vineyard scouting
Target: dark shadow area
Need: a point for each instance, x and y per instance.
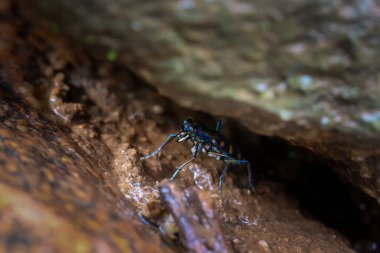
(310, 179)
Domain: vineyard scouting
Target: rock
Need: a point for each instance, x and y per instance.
(71, 177)
(303, 71)
(55, 195)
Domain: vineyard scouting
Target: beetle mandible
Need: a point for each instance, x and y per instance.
(211, 142)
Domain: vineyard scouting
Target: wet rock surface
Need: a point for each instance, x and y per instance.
(71, 139)
(304, 71)
(54, 192)
(55, 195)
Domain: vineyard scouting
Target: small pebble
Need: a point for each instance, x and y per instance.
(264, 245)
(158, 109)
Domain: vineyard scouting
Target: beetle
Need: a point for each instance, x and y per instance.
(209, 141)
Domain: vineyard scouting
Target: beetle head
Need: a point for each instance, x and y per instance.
(189, 125)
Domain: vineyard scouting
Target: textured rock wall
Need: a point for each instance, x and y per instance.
(71, 179)
(306, 71)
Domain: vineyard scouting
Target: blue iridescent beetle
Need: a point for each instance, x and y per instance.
(211, 142)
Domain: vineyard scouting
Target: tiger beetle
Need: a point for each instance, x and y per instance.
(211, 142)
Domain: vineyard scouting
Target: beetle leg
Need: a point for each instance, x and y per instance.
(184, 138)
(216, 154)
(218, 125)
(169, 139)
(250, 183)
(180, 168)
(222, 177)
(196, 149)
(248, 164)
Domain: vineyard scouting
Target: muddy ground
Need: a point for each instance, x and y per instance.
(114, 117)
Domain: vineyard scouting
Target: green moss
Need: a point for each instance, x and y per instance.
(265, 25)
(111, 55)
